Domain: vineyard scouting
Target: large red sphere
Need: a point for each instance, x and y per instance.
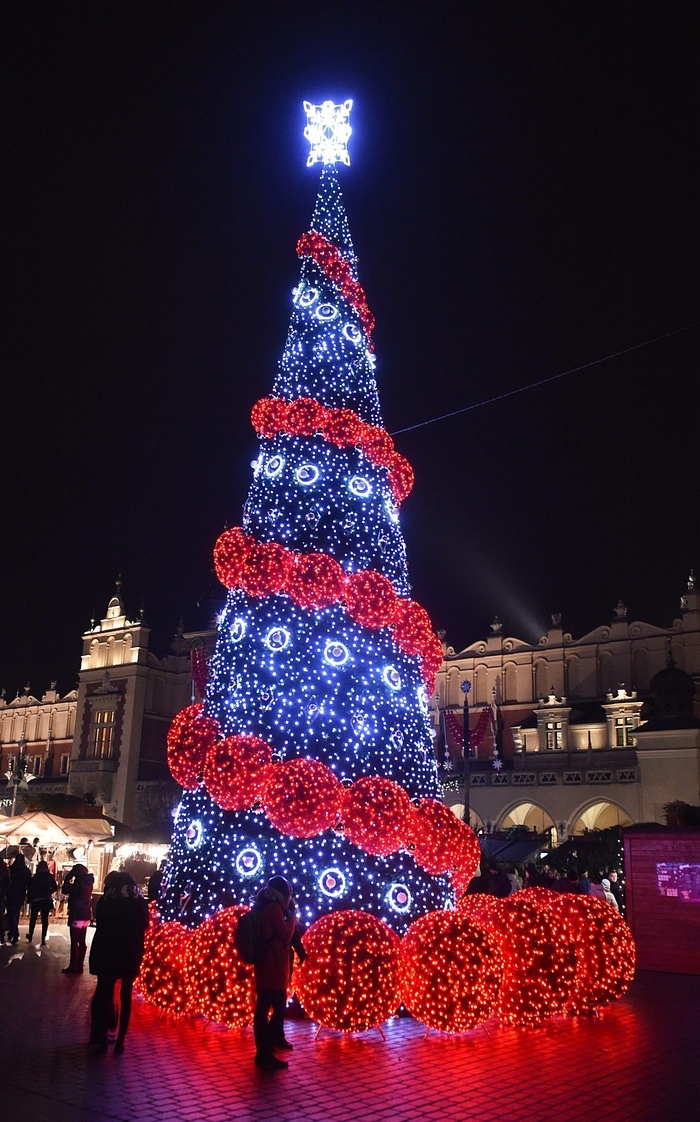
(450, 971)
(162, 979)
(219, 985)
(302, 798)
(237, 770)
(376, 814)
(190, 737)
(350, 977)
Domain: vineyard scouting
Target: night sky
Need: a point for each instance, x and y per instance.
(523, 200)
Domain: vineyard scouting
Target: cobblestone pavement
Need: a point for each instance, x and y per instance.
(637, 1061)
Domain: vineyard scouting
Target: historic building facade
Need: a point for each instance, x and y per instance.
(568, 735)
(105, 741)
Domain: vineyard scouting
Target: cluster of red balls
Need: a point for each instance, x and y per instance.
(316, 580)
(303, 797)
(329, 258)
(305, 416)
(523, 959)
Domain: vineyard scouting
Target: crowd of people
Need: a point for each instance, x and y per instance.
(496, 879)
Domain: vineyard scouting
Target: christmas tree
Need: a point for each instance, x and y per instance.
(314, 742)
(311, 756)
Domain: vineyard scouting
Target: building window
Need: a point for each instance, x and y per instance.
(624, 728)
(101, 746)
(65, 764)
(36, 765)
(554, 736)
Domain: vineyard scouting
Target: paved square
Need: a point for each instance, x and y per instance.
(638, 1061)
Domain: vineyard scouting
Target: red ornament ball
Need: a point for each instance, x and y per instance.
(237, 771)
(219, 985)
(412, 628)
(343, 428)
(269, 416)
(605, 950)
(539, 961)
(315, 581)
(189, 739)
(371, 599)
(162, 978)
(230, 555)
(266, 569)
(305, 416)
(376, 814)
(401, 477)
(303, 798)
(349, 980)
(441, 843)
(377, 445)
(450, 969)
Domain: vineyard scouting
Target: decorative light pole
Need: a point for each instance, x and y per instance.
(18, 776)
(466, 690)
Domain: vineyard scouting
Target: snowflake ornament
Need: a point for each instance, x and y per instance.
(327, 131)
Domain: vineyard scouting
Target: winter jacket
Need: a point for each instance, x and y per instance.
(78, 889)
(121, 919)
(41, 887)
(278, 927)
(19, 882)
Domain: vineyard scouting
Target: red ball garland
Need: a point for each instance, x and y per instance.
(450, 971)
(350, 977)
(304, 798)
(269, 416)
(401, 477)
(539, 958)
(230, 555)
(237, 771)
(266, 570)
(376, 814)
(305, 416)
(412, 628)
(343, 428)
(190, 737)
(315, 581)
(371, 599)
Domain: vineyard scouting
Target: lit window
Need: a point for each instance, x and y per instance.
(101, 745)
(65, 764)
(36, 765)
(624, 729)
(554, 736)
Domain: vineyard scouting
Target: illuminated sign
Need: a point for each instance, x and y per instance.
(679, 880)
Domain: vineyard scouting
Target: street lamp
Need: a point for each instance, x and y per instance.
(18, 776)
(466, 690)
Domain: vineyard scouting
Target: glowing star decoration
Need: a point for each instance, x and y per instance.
(328, 131)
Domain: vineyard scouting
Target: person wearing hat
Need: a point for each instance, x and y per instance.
(277, 921)
(605, 885)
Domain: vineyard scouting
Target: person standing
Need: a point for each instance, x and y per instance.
(40, 895)
(121, 919)
(16, 895)
(4, 886)
(277, 922)
(77, 886)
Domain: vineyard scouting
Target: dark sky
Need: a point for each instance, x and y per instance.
(523, 200)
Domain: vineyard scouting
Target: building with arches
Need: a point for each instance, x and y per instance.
(570, 735)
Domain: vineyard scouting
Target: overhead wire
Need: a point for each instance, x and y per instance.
(544, 381)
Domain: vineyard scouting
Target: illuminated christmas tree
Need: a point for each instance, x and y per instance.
(314, 743)
(312, 755)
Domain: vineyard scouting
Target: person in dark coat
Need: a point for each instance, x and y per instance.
(40, 895)
(16, 895)
(4, 885)
(121, 919)
(77, 886)
(277, 919)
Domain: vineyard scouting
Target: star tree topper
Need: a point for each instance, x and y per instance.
(327, 131)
